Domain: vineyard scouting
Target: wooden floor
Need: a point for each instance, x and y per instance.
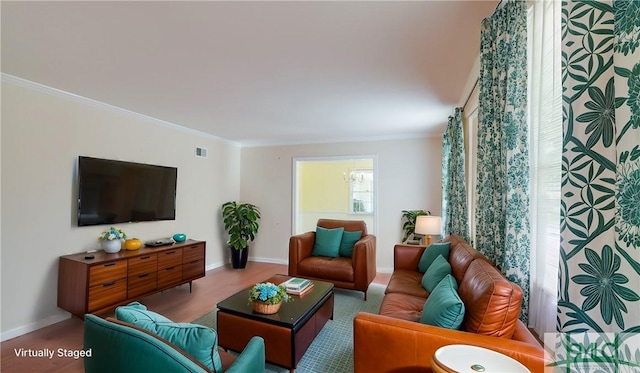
(177, 304)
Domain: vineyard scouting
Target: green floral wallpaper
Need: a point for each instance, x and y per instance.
(503, 230)
(599, 279)
(455, 215)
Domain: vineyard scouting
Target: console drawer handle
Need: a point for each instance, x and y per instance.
(195, 261)
(145, 257)
(170, 252)
(194, 247)
(145, 275)
(109, 283)
(170, 268)
(110, 264)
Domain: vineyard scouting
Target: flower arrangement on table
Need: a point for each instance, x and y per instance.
(112, 240)
(267, 297)
(112, 234)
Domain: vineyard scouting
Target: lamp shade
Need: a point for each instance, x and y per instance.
(428, 224)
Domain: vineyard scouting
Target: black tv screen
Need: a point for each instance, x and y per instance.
(111, 192)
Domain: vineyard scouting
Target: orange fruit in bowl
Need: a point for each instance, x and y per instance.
(132, 244)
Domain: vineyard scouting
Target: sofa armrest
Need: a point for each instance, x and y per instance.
(300, 247)
(364, 261)
(252, 358)
(407, 256)
(111, 342)
(386, 344)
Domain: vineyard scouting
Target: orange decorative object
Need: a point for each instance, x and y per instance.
(132, 244)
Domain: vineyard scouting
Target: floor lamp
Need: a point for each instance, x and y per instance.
(427, 225)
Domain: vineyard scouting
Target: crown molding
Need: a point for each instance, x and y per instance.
(258, 144)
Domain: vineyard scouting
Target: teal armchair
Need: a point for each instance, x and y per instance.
(116, 346)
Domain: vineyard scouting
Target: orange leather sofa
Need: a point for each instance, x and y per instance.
(354, 273)
(395, 341)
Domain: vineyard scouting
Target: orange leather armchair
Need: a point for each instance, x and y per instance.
(354, 273)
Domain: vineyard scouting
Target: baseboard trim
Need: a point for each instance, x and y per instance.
(21, 330)
(385, 270)
(267, 260)
(249, 259)
(213, 266)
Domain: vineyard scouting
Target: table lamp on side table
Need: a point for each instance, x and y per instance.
(428, 225)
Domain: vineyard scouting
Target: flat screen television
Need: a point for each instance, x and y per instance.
(111, 192)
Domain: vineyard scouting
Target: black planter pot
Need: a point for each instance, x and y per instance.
(239, 257)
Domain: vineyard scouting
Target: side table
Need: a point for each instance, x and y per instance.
(472, 359)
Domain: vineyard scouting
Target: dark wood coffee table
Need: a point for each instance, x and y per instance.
(287, 334)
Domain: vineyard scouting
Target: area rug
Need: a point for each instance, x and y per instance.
(332, 350)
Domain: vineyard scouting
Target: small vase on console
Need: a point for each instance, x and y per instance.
(111, 246)
(111, 240)
(179, 237)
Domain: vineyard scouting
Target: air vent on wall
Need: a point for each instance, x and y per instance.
(201, 152)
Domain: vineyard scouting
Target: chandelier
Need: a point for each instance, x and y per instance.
(353, 177)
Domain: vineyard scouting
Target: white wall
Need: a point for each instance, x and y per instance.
(43, 133)
(409, 177)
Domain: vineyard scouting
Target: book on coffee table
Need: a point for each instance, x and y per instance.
(302, 291)
(296, 284)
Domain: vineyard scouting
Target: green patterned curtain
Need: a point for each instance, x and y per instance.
(599, 279)
(503, 231)
(455, 215)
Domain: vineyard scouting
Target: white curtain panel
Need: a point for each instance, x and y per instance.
(545, 121)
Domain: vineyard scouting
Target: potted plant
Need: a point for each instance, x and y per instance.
(409, 217)
(241, 223)
(267, 297)
(111, 240)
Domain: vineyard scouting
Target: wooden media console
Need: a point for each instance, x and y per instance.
(108, 280)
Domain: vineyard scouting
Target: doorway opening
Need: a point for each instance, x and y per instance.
(340, 187)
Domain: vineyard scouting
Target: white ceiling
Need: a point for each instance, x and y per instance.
(257, 73)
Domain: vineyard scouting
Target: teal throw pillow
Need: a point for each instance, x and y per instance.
(443, 307)
(135, 312)
(327, 242)
(436, 272)
(431, 252)
(349, 240)
(198, 341)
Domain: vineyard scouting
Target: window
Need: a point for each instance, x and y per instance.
(360, 190)
(472, 150)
